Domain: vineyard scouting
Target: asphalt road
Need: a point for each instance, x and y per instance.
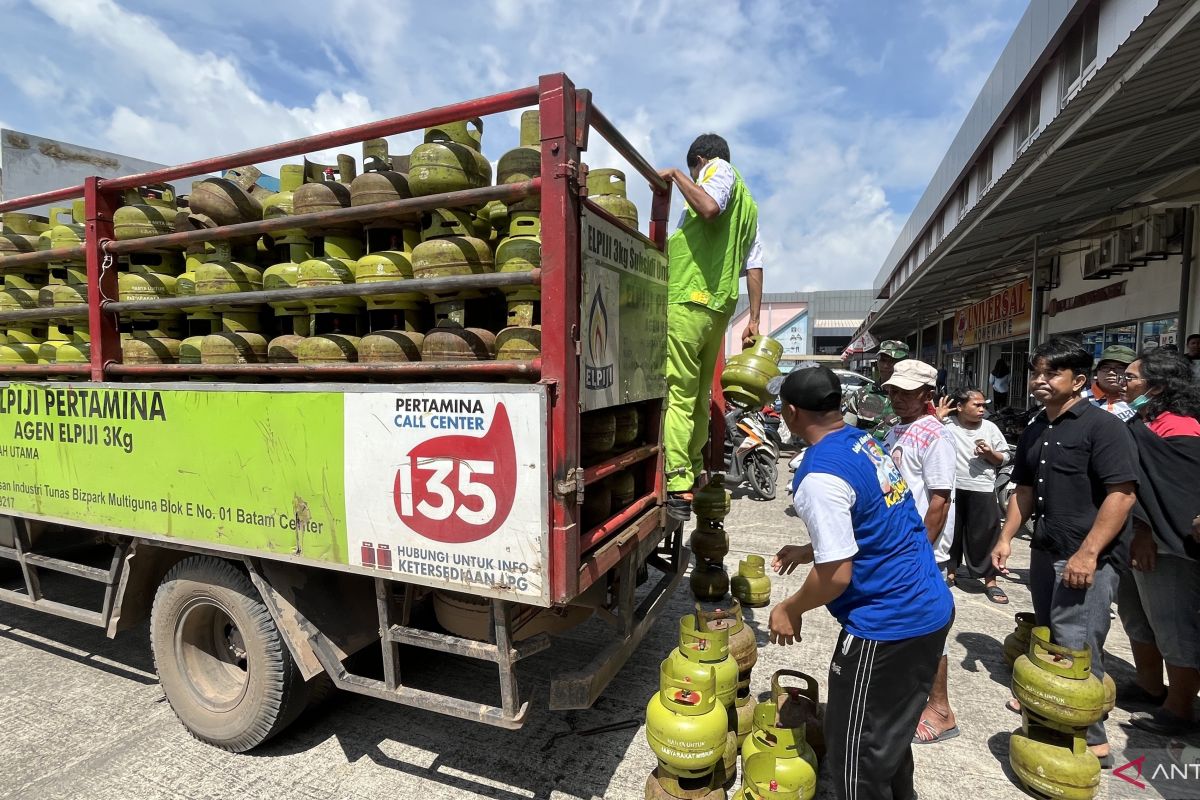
(83, 716)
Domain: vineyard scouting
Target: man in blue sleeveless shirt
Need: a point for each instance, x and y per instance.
(873, 567)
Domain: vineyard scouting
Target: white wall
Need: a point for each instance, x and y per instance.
(1152, 290)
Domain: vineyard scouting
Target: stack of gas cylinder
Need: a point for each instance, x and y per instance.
(403, 326)
(702, 716)
(603, 434)
(748, 376)
(710, 544)
(1060, 698)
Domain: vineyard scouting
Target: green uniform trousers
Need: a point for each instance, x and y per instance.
(695, 337)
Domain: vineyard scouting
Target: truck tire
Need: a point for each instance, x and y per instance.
(223, 665)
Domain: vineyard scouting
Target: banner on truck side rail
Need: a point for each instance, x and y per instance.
(442, 484)
(623, 315)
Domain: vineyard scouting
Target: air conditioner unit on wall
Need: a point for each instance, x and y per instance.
(1154, 237)
(1091, 266)
(1048, 275)
(1114, 253)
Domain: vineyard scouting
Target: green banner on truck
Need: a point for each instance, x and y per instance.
(442, 484)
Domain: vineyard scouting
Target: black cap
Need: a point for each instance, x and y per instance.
(812, 389)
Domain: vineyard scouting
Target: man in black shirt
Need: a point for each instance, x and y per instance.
(1076, 472)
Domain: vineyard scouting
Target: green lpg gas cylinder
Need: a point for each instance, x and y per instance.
(150, 347)
(220, 274)
(1053, 763)
(598, 432)
(390, 347)
(783, 738)
(238, 341)
(747, 376)
(762, 779)
(524, 163)
(449, 160)
(286, 275)
(709, 541)
(685, 725)
(230, 199)
(751, 586)
(702, 648)
(725, 773)
(392, 265)
(285, 349)
(606, 188)
(384, 180)
(452, 343)
(149, 211)
(326, 188)
(521, 251)
(337, 267)
(596, 507)
(1056, 684)
(743, 647)
(745, 707)
(21, 232)
(709, 582)
(800, 705)
(1016, 644)
(629, 426)
(622, 487)
(23, 346)
(519, 343)
(282, 203)
(328, 348)
(444, 256)
(712, 501)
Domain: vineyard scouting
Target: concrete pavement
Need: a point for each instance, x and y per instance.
(83, 716)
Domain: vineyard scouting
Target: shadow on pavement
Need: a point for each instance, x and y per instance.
(983, 650)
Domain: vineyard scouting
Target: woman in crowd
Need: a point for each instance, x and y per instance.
(999, 381)
(980, 449)
(1164, 555)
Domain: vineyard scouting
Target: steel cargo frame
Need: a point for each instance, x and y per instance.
(578, 558)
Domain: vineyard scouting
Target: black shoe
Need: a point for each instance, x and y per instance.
(679, 505)
(1134, 695)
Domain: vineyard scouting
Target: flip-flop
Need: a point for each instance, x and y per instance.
(1013, 706)
(996, 595)
(949, 733)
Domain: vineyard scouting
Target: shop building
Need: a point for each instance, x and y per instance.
(1067, 202)
(811, 326)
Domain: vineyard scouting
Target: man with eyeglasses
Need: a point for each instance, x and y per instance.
(1105, 391)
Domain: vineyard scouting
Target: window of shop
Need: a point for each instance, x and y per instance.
(1027, 118)
(1137, 335)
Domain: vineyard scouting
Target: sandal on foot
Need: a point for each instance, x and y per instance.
(1162, 722)
(1106, 762)
(927, 726)
(1013, 705)
(996, 595)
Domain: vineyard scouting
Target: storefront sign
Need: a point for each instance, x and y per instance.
(1087, 298)
(1001, 316)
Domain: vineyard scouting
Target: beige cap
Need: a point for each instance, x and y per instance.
(912, 374)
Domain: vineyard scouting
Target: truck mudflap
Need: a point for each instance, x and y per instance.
(580, 688)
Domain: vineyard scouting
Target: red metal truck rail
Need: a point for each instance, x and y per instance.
(568, 116)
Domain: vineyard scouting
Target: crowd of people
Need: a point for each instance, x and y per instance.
(1105, 472)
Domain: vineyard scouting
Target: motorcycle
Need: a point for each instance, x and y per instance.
(751, 455)
(1004, 489)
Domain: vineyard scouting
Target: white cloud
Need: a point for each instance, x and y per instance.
(822, 168)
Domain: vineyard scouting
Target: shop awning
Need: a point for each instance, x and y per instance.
(1130, 130)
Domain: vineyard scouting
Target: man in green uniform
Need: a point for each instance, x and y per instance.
(879, 422)
(716, 243)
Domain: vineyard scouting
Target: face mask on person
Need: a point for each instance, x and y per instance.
(1139, 401)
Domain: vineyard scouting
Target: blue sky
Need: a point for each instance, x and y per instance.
(837, 113)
